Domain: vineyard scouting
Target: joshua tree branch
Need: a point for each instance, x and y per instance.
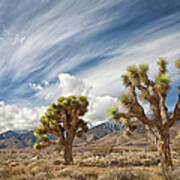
(58, 131)
(176, 115)
(61, 134)
(153, 100)
(151, 134)
(163, 108)
(136, 109)
(137, 115)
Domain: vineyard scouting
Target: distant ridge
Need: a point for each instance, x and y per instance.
(14, 140)
(100, 135)
(24, 139)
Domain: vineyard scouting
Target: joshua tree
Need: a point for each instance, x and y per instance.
(63, 119)
(158, 122)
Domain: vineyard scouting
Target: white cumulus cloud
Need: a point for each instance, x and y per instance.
(13, 117)
(69, 85)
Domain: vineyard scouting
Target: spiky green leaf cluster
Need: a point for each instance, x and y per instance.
(162, 62)
(59, 117)
(112, 112)
(67, 104)
(162, 66)
(124, 98)
(163, 81)
(126, 80)
(132, 69)
(39, 131)
(133, 74)
(178, 63)
(39, 146)
(143, 68)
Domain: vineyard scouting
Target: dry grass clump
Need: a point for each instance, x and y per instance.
(11, 173)
(124, 159)
(119, 174)
(19, 173)
(72, 173)
(49, 165)
(177, 149)
(5, 173)
(132, 174)
(176, 173)
(41, 175)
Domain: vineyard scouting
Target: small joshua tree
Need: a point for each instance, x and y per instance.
(63, 119)
(158, 123)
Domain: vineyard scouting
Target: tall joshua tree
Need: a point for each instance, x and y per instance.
(154, 92)
(63, 119)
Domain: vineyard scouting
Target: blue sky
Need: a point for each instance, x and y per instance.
(46, 44)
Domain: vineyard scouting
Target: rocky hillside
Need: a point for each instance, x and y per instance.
(13, 140)
(16, 140)
(103, 134)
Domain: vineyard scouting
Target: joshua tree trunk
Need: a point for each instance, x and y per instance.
(68, 153)
(68, 147)
(165, 154)
(162, 140)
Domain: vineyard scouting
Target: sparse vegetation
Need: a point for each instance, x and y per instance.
(119, 174)
(72, 173)
(139, 164)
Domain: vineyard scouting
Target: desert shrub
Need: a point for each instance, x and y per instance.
(118, 150)
(13, 152)
(152, 148)
(57, 162)
(41, 175)
(177, 149)
(26, 162)
(72, 173)
(10, 173)
(100, 150)
(176, 174)
(118, 174)
(5, 173)
(91, 176)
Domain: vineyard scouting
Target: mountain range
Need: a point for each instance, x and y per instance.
(25, 139)
(101, 135)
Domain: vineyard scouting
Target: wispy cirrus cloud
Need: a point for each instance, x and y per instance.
(54, 37)
(106, 77)
(51, 38)
(92, 40)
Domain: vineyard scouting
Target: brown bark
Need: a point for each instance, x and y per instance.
(68, 154)
(165, 154)
(68, 146)
(163, 108)
(176, 115)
